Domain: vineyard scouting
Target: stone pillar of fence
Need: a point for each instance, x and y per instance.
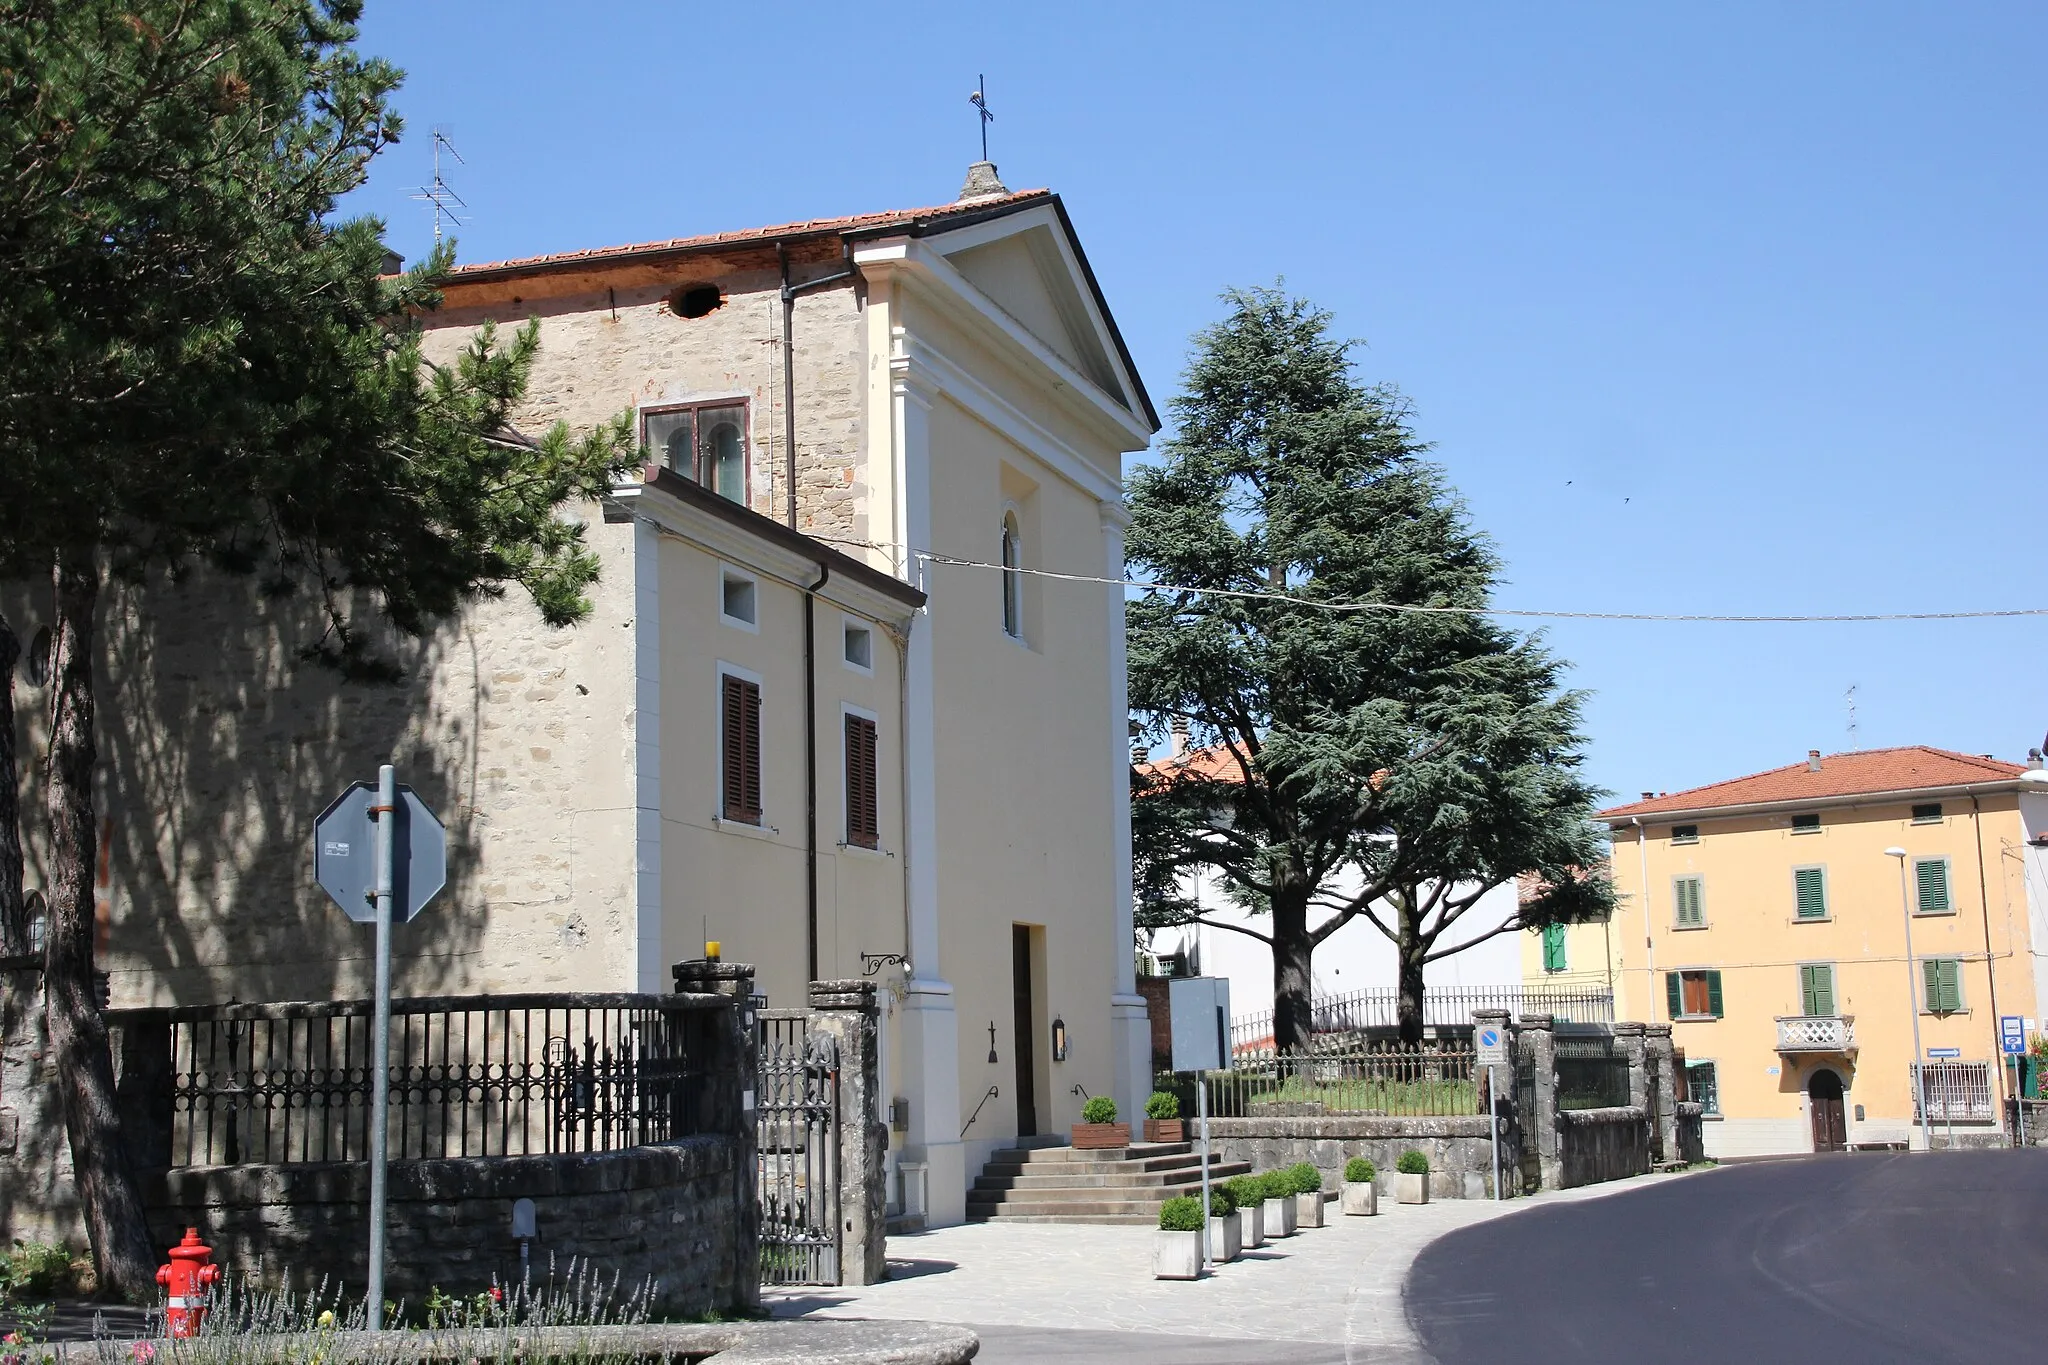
(1628, 1036)
(1663, 1066)
(730, 1056)
(851, 1014)
(1537, 1042)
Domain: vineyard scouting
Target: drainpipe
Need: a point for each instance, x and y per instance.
(789, 295)
(1649, 933)
(811, 768)
(1990, 962)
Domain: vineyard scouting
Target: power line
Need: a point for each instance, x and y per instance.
(1418, 609)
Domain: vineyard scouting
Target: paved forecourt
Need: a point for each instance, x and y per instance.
(1338, 1285)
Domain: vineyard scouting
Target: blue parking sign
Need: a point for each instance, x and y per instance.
(2012, 1034)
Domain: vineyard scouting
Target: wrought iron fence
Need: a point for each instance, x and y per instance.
(1379, 1008)
(475, 1076)
(1592, 1072)
(798, 1123)
(1347, 1076)
(1953, 1090)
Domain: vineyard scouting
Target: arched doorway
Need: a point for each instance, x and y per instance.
(1824, 1102)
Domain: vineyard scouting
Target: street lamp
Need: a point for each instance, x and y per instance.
(1913, 1002)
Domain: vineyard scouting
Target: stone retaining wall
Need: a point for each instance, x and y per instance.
(664, 1212)
(1460, 1156)
(1603, 1144)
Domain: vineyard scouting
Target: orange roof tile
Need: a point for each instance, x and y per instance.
(815, 227)
(1858, 773)
(1212, 765)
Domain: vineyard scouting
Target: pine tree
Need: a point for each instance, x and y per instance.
(1432, 751)
(200, 364)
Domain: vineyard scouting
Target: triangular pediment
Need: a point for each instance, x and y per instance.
(1030, 273)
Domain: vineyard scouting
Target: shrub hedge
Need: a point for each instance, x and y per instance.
(1101, 1109)
(1162, 1106)
(1183, 1213)
(1358, 1171)
(1412, 1162)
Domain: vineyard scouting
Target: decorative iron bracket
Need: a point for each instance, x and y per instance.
(871, 963)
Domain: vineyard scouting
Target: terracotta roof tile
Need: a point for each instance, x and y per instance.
(1213, 765)
(808, 228)
(1860, 772)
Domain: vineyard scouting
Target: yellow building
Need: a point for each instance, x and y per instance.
(1767, 918)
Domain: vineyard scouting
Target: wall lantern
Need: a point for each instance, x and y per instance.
(991, 1042)
(1059, 1040)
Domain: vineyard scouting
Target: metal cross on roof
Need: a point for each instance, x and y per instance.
(987, 115)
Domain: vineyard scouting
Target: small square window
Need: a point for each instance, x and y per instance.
(736, 599)
(1929, 814)
(1685, 834)
(1806, 824)
(860, 647)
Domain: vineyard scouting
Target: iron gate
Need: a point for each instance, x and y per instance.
(799, 1151)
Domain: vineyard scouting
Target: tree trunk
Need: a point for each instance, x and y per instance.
(13, 912)
(1410, 948)
(1293, 983)
(78, 1032)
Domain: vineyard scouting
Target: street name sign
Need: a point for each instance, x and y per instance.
(2012, 1035)
(345, 854)
(1492, 1043)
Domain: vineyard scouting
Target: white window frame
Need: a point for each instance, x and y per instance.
(850, 623)
(1690, 1063)
(730, 573)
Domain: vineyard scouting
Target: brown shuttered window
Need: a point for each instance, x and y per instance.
(863, 819)
(740, 741)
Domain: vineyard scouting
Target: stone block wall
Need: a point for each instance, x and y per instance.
(37, 1203)
(1692, 1132)
(1460, 1155)
(1603, 1144)
(665, 1213)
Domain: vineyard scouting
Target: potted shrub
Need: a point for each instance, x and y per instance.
(1308, 1194)
(1226, 1229)
(1177, 1246)
(1279, 1204)
(1162, 1118)
(1411, 1179)
(1247, 1194)
(1361, 1194)
(1098, 1130)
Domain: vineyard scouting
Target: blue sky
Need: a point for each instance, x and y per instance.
(1728, 309)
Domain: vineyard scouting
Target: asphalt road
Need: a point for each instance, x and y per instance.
(1870, 1258)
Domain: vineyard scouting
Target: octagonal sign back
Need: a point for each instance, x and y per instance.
(345, 854)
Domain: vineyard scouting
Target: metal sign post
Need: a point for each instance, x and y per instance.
(1200, 1009)
(2012, 1041)
(1491, 1051)
(1202, 1122)
(408, 867)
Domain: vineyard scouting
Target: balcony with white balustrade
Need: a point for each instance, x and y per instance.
(1817, 1033)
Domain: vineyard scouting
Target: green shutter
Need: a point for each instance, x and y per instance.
(1810, 884)
(1943, 979)
(1673, 994)
(1932, 874)
(1714, 994)
(1553, 948)
(1686, 895)
(1817, 989)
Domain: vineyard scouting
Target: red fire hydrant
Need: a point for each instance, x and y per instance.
(189, 1275)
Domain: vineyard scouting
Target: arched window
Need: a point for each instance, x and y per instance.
(1013, 581)
(725, 460)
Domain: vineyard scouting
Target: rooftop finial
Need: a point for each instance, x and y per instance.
(982, 180)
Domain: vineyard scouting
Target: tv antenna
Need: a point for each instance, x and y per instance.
(1850, 697)
(438, 194)
(980, 102)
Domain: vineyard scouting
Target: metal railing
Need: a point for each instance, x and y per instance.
(1816, 1033)
(1344, 1076)
(1592, 1073)
(470, 1076)
(798, 1177)
(1959, 1091)
(1380, 1007)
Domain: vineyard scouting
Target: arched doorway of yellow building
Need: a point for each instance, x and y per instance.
(1824, 1092)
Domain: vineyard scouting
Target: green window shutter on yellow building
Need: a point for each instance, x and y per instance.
(1817, 989)
(1811, 892)
(1553, 948)
(1714, 994)
(1674, 999)
(1691, 910)
(1944, 986)
(1932, 875)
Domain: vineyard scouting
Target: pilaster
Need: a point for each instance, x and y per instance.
(849, 1012)
(1661, 1060)
(1130, 1032)
(1537, 1042)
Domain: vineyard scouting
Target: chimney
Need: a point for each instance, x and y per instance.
(2034, 759)
(1813, 760)
(982, 183)
(1649, 796)
(1140, 750)
(1179, 749)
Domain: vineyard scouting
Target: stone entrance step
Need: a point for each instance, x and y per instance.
(1042, 1184)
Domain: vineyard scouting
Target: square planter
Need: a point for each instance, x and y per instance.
(1252, 1225)
(1361, 1198)
(1411, 1189)
(1176, 1255)
(1226, 1238)
(1100, 1137)
(1308, 1210)
(1279, 1217)
(1166, 1130)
